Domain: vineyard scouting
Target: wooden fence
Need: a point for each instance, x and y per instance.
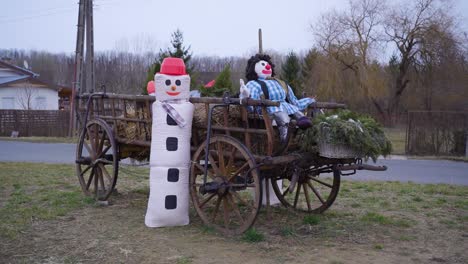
(437, 133)
(46, 123)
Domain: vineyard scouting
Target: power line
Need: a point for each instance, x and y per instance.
(21, 19)
(40, 10)
(5, 19)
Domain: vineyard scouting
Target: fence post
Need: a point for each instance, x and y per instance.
(466, 143)
(408, 132)
(466, 134)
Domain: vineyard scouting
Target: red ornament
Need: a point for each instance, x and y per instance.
(210, 84)
(150, 87)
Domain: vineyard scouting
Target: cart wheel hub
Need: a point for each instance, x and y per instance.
(223, 186)
(218, 185)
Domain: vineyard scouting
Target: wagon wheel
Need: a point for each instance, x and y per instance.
(97, 162)
(310, 193)
(231, 199)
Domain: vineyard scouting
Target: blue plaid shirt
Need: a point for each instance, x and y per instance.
(277, 93)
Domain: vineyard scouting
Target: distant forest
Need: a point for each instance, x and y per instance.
(427, 71)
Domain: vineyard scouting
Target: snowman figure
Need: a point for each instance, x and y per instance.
(168, 203)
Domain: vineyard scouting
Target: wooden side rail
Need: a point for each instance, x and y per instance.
(327, 105)
(209, 100)
(134, 111)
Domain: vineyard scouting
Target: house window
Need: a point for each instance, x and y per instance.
(41, 103)
(8, 103)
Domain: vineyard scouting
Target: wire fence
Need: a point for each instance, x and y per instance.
(437, 133)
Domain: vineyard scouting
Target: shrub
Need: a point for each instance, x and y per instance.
(222, 84)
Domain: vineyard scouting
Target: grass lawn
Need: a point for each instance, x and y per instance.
(34, 192)
(44, 217)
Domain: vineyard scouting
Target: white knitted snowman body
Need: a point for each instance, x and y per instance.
(168, 203)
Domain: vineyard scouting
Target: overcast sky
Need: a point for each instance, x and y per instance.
(211, 27)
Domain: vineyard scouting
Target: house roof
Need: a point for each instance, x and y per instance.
(18, 69)
(19, 74)
(64, 91)
(12, 73)
(12, 79)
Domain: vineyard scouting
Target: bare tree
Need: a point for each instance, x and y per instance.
(25, 97)
(417, 29)
(351, 38)
(421, 32)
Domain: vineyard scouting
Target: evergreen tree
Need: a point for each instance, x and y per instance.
(178, 50)
(290, 71)
(307, 68)
(222, 84)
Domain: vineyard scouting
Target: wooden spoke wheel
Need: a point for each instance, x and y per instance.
(307, 191)
(231, 198)
(97, 161)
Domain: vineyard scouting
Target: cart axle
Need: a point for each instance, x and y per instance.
(361, 167)
(84, 161)
(89, 161)
(218, 186)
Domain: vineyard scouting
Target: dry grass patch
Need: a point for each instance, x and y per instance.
(384, 222)
(398, 138)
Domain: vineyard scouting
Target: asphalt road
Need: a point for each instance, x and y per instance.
(37, 152)
(418, 171)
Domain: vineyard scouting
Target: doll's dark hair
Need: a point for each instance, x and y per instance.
(250, 73)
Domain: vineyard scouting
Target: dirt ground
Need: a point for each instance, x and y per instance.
(116, 234)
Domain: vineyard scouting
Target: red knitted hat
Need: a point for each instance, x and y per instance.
(173, 66)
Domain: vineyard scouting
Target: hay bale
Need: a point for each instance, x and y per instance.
(129, 130)
(200, 116)
(133, 130)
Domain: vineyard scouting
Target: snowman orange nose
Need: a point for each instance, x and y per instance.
(173, 88)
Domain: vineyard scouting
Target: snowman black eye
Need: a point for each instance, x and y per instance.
(168, 82)
(177, 82)
(263, 64)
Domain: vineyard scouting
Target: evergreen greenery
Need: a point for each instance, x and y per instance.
(307, 68)
(290, 72)
(361, 133)
(178, 50)
(222, 84)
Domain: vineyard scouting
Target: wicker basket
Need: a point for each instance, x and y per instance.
(341, 151)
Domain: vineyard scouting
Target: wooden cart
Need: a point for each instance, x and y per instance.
(234, 152)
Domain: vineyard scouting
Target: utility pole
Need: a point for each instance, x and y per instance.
(85, 20)
(89, 62)
(260, 43)
(76, 86)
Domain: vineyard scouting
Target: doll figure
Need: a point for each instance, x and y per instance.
(260, 74)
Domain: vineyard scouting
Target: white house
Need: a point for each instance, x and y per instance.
(22, 89)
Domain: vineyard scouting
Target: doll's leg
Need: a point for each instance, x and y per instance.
(298, 115)
(303, 121)
(282, 120)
